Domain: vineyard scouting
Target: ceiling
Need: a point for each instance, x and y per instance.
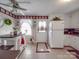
(46, 7)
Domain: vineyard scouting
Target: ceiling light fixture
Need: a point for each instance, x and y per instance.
(66, 0)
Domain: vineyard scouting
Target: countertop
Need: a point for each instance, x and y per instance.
(71, 31)
(8, 36)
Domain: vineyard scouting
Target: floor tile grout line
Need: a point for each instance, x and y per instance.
(20, 54)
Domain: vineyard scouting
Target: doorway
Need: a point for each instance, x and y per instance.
(26, 28)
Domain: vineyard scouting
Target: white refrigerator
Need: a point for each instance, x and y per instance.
(56, 34)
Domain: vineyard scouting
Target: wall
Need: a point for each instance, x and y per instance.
(75, 19)
(74, 40)
(6, 29)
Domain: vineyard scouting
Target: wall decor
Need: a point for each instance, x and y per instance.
(7, 21)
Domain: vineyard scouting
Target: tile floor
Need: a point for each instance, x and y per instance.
(42, 48)
(30, 53)
(72, 51)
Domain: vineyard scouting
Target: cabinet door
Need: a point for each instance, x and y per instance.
(76, 43)
(68, 40)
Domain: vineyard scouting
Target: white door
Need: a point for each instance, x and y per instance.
(41, 32)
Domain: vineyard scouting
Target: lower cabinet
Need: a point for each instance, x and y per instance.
(67, 40)
(75, 42)
(72, 40)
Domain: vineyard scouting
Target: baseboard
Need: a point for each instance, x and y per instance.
(56, 48)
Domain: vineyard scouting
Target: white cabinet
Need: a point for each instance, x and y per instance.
(67, 40)
(75, 42)
(72, 40)
(56, 36)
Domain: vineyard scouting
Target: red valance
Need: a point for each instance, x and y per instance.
(21, 16)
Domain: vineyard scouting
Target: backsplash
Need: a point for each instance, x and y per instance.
(71, 31)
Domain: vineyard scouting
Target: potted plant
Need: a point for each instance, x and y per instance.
(56, 19)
